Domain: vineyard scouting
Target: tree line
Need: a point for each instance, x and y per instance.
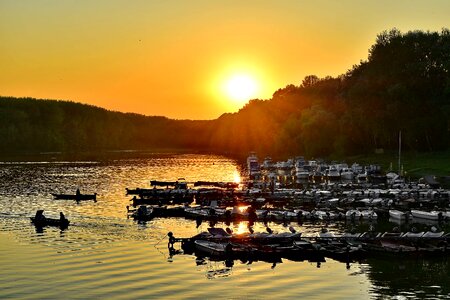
(403, 85)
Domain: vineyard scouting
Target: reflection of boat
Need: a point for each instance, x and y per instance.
(39, 220)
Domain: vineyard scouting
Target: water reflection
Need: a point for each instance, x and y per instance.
(102, 252)
(390, 276)
(423, 278)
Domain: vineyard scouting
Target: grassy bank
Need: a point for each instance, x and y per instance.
(414, 164)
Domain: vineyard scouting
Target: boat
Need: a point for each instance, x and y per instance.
(143, 213)
(420, 214)
(361, 177)
(212, 248)
(301, 173)
(269, 237)
(353, 214)
(332, 173)
(347, 174)
(253, 165)
(324, 233)
(76, 197)
(396, 214)
(39, 220)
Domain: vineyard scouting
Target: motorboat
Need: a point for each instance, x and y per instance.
(253, 167)
(396, 214)
(77, 197)
(429, 215)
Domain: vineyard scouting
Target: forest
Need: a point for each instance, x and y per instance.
(404, 85)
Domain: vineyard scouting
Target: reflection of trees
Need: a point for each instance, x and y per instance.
(394, 276)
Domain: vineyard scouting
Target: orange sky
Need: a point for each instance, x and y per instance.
(175, 58)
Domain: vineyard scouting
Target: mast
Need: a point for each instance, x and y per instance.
(399, 151)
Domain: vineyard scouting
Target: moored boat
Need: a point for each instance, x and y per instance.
(396, 214)
(429, 215)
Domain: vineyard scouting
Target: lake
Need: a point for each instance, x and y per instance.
(103, 254)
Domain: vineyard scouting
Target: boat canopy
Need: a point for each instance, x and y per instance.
(429, 179)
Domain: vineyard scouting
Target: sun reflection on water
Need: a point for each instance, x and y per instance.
(236, 177)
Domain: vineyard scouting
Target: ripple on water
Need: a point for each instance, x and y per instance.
(104, 255)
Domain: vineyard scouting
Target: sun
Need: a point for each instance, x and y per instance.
(241, 88)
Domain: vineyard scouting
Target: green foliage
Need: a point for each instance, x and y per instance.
(404, 85)
(31, 125)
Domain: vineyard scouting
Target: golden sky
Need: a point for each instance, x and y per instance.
(189, 59)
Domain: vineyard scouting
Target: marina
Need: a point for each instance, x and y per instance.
(105, 252)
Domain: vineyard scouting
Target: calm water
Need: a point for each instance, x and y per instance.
(105, 255)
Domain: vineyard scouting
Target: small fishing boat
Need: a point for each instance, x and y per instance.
(77, 196)
(396, 214)
(143, 213)
(212, 248)
(413, 234)
(39, 220)
(429, 215)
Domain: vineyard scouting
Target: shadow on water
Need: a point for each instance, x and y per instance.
(389, 276)
(422, 277)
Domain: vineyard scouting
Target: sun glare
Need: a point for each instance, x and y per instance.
(236, 177)
(241, 88)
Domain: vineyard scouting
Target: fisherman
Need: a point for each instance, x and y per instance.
(39, 217)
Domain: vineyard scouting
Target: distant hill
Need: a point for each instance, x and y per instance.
(28, 124)
(404, 85)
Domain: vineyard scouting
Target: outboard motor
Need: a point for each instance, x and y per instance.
(142, 211)
(198, 221)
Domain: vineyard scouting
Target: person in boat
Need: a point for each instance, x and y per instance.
(77, 195)
(62, 217)
(39, 217)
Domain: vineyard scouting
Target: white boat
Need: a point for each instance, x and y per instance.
(361, 214)
(361, 176)
(253, 165)
(420, 214)
(281, 215)
(325, 215)
(302, 214)
(267, 164)
(347, 174)
(413, 234)
(369, 214)
(356, 168)
(211, 248)
(324, 233)
(301, 174)
(430, 234)
(353, 214)
(284, 168)
(332, 173)
(396, 214)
